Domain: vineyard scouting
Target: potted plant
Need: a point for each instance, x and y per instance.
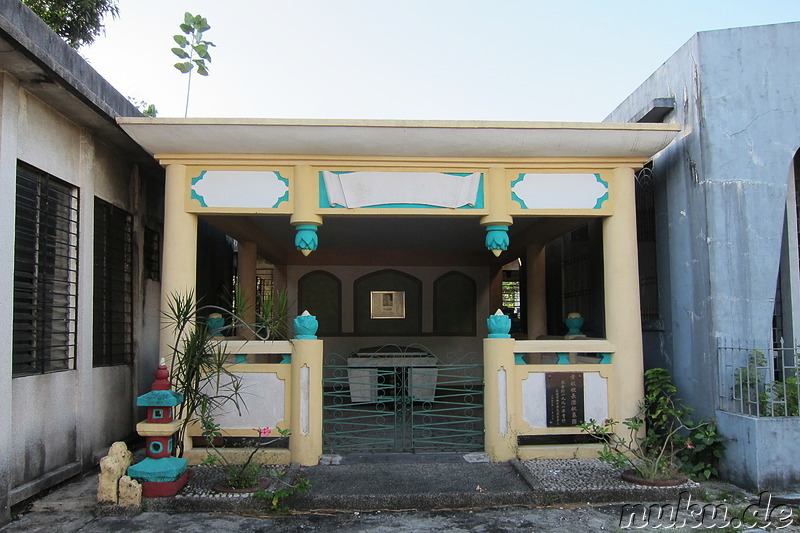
(652, 449)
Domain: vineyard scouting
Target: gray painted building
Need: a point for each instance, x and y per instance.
(725, 234)
(82, 205)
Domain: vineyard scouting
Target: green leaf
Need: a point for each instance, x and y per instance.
(180, 52)
(186, 28)
(181, 40)
(202, 70)
(188, 18)
(184, 67)
(202, 51)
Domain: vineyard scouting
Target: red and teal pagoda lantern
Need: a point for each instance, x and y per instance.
(160, 473)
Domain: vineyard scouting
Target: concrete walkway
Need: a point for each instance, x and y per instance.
(420, 493)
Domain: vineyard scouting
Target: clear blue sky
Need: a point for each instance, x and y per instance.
(410, 59)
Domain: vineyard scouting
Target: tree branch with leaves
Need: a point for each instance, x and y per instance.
(78, 22)
(193, 48)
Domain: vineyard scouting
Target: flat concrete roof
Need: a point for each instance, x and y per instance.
(401, 138)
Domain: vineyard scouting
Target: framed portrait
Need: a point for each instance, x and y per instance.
(387, 304)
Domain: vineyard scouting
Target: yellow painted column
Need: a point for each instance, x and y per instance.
(500, 436)
(305, 217)
(537, 291)
(623, 318)
(305, 442)
(179, 259)
(247, 256)
(497, 194)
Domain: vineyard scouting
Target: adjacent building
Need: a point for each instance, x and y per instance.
(80, 263)
(717, 216)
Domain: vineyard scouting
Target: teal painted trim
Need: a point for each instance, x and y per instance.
(599, 204)
(165, 469)
(286, 359)
(519, 359)
(194, 194)
(325, 203)
(605, 358)
(285, 197)
(563, 359)
(160, 398)
(199, 177)
(514, 196)
(241, 358)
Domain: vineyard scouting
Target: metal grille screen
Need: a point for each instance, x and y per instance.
(45, 273)
(113, 285)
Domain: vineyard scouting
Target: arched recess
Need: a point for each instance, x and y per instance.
(787, 291)
(388, 280)
(454, 302)
(320, 293)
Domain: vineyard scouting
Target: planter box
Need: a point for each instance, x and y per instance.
(760, 452)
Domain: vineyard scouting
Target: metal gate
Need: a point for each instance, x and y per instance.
(404, 403)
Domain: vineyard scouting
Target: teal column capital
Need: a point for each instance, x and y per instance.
(497, 239)
(305, 238)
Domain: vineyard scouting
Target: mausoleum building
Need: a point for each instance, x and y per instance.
(400, 237)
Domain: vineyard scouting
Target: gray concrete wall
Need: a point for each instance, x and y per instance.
(63, 422)
(751, 91)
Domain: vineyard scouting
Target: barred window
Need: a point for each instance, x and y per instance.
(45, 273)
(113, 285)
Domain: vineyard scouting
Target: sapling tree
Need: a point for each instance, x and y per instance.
(193, 49)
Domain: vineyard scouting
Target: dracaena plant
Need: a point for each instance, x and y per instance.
(192, 49)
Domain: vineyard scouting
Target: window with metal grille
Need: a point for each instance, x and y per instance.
(45, 273)
(113, 285)
(646, 240)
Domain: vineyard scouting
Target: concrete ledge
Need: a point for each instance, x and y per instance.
(23, 492)
(264, 456)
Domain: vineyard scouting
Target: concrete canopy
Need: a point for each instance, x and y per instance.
(401, 138)
(214, 140)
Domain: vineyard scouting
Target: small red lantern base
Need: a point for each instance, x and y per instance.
(164, 489)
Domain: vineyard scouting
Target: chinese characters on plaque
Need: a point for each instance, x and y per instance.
(564, 399)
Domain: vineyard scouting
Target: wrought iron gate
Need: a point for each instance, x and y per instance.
(375, 404)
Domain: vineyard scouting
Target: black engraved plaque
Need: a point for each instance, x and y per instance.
(564, 399)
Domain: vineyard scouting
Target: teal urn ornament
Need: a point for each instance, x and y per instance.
(499, 325)
(305, 326)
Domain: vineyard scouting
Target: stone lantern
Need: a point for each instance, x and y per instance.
(160, 473)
